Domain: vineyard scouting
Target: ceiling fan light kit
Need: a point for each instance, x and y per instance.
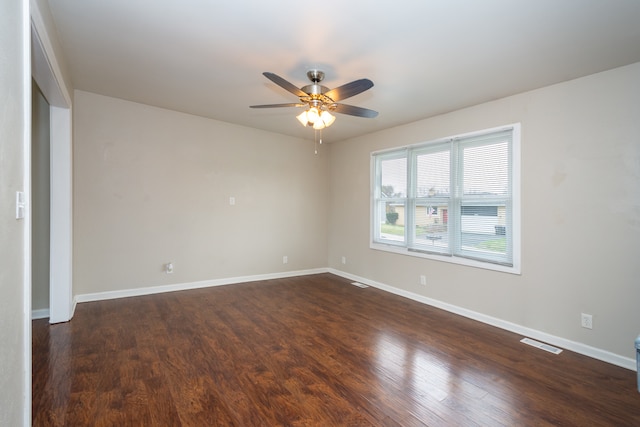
(320, 101)
(313, 117)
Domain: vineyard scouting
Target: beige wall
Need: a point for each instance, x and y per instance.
(580, 212)
(153, 186)
(14, 332)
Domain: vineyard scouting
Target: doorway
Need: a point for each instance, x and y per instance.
(40, 203)
(47, 74)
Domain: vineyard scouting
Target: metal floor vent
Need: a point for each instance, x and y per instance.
(360, 285)
(543, 346)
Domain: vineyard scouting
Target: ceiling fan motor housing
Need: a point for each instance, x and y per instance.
(315, 89)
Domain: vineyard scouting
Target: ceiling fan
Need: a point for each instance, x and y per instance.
(320, 101)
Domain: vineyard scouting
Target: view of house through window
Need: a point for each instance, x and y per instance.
(454, 199)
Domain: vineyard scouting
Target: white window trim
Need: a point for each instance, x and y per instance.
(516, 207)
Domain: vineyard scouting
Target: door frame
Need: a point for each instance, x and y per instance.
(46, 72)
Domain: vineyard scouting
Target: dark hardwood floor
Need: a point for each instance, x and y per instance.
(308, 351)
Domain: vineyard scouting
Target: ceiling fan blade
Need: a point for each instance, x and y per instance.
(355, 111)
(292, 104)
(350, 89)
(284, 84)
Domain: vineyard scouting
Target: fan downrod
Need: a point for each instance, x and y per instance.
(316, 76)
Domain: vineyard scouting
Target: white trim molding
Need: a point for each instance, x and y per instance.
(40, 314)
(26, 182)
(134, 292)
(61, 216)
(46, 68)
(584, 349)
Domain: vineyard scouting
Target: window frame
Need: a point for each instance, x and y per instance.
(407, 246)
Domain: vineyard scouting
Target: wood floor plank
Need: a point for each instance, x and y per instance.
(308, 351)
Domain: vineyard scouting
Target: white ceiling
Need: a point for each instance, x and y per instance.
(206, 57)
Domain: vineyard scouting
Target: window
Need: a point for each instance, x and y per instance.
(455, 199)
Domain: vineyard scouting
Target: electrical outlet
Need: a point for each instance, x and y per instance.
(285, 259)
(344, 259)
(168, 268)
(586, 321)
(423, 280)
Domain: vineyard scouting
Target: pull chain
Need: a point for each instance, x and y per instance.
(315, 141)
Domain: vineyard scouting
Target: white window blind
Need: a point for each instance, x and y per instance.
(452, 199)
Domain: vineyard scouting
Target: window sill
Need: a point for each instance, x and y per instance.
(401, 250)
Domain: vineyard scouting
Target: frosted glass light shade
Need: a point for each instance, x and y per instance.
(327, 118)
(313, 114)
(302, 118)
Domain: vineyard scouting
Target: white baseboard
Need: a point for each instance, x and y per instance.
(99, 296)
(42, 313)
(596, 353)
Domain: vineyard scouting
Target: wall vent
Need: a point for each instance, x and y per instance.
(541, 345)
(360, 285)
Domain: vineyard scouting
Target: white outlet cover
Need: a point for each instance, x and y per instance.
(587, 321)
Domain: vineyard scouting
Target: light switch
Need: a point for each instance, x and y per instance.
(20, 204)
(232, 201)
